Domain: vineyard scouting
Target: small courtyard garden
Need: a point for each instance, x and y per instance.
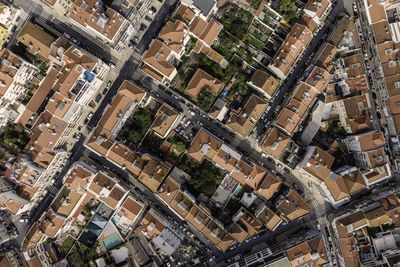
(205, 177)
(136, 127)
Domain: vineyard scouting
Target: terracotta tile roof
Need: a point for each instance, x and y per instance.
(376, 174)
(36, 40)
(66, 201)
(198, 217)
(78, 176)
(200, 81)
(356, 105)
(32, 237)
(238, 233)
(214, 232)
(168, 190)
(134, 164)
(354, 65)
(250, 223)
(51, 224)
(128, 94)
(377, 217)
(226, 242)
(319, 79)
(107, 190)
(266, 82)
(318, 163)
(371, 140)
(39, 96)
(393, 84)
(326, 56)
(305, 94)
(292, 206)
(358, 84)
(118, 153)
(107, 22)
(207, 32)
(252, 111)
(269, 186)
(151, 224)
(275, 142)
(99, 142)
(318, 7)
(344, 186)
(58, 105)
(394, 104)
(197, 26)
(185, 14)
(130, 209)
(250, 174)
(153, 172)
(173, 35)
(292, 47)
(376, 11)
(297, 107)
(387, 52)
(288, 121)
(204, 145)
(308, 253)
(269, 219)
(165, 118)
(381, 32)
(226, 158)
(210, 32)
(156, 57)
(181, 204)
(46, 131)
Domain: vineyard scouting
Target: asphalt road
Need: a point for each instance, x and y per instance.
(55, 26)
(291, 80)
(128, 71)
(144, 194)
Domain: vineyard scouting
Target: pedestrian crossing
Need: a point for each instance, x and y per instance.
(53, 190)
(86, 153)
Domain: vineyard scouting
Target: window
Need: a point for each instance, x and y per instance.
(397, 85)
(392, 64)
(388, 51)
(360, 105)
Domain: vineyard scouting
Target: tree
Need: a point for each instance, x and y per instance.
(288, 9)
(205, 99)
(336, 130)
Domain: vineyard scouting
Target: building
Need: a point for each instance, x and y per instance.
(175, 36)
(158, 62)
(102, 22)
(202, 8)
(202, 81)
(36, 40)
(291, 49)
(204, 145)
(61, 6)
(244, 122)
(368, 149)
(166, 117)
(17, 76)
(264, 83)
(292, 206)
(275, 143)
(308, 253)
